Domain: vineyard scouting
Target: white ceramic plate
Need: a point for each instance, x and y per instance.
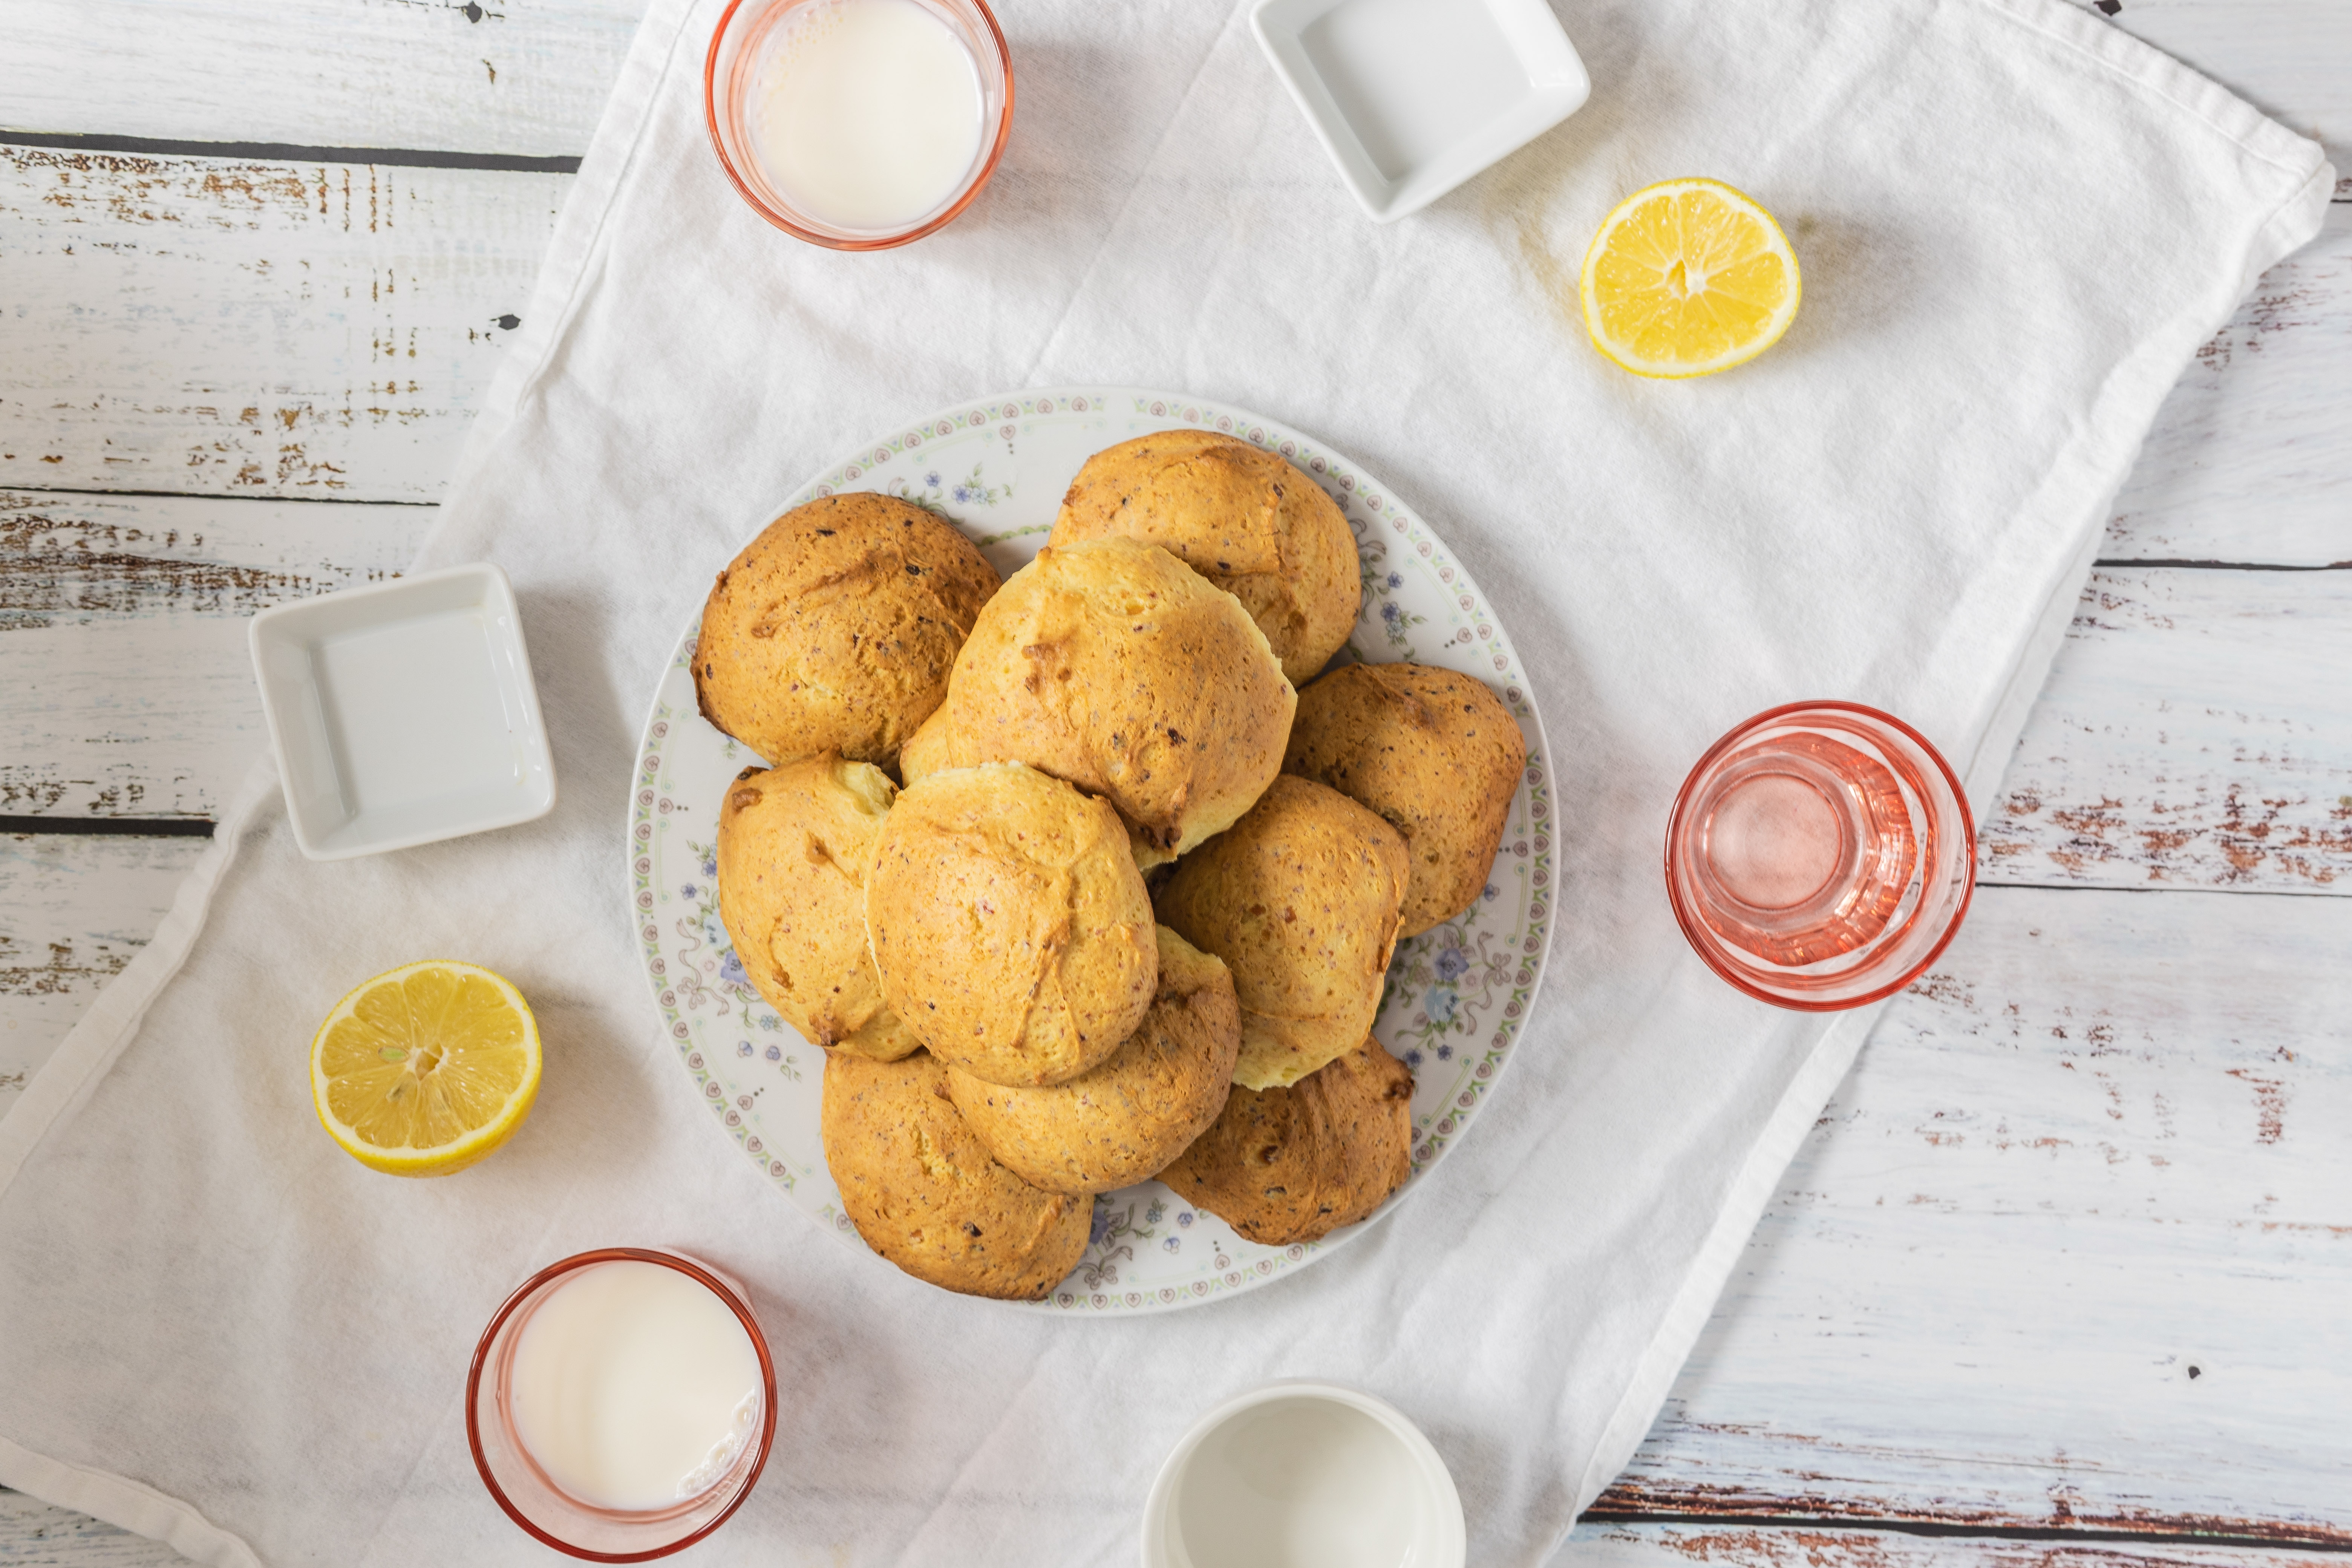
(997, 467)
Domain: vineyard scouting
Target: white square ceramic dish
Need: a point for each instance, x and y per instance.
(1413, 97)
(403, 714)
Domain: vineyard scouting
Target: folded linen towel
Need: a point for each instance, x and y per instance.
(2016, 225)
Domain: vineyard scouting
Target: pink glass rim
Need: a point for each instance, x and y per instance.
(712, 1282)
(1703, 941)
(759, 204)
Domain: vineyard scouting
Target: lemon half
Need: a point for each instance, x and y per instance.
(1687, 278)
(426, 1068)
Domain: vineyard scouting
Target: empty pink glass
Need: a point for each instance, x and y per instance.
(1821, 856)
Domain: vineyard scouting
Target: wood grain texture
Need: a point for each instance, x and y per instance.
(34, 1535)
(122, 627)
(2069, 1248)
(2195, 732)
(2250, 458)
(496, 76)
(73, 910)
(1597, 1544)
(195, 326)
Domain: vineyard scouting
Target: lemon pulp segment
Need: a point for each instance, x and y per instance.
(426, 1069)
(1687, 278)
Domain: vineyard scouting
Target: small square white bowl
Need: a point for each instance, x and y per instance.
(1413, 97)
(403, 714)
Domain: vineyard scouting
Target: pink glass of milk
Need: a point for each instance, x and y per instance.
(1821, 856)
(858, 124)
(621, 1403)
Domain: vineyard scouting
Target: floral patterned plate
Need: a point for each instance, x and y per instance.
(1457, 997)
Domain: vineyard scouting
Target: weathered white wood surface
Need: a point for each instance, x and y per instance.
(1630, 1545)
(1989, 1357)
(202, 327)
(2195, 732)
(2071, 1246)
(526, 77)
(2247, 460)
(34, 1535)
(2179, 769)
(518, 77)
(122, 629)
(72, 912)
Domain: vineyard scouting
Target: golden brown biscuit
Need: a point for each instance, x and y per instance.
(793, 846)
(1300, 900)
(1010, 924)
(1433, 753)
(1240, 516)
(927, 750)
(1125, 1119)
(924, 1193)
(1286, 1165)
(836, 628)
(1117, 666)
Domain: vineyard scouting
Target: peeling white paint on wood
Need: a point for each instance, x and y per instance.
(2195, 732)
(1642, 1545)
(2250, 458)
(34, 1535)
(122, 627)
(73, 910)
(518, 77)
(2070, 1248)
(204, 327)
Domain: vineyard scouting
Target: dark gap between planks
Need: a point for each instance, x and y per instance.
(2273, 1539)
(112, 826)
(2183, 564)
(287, 152)
(202, 495)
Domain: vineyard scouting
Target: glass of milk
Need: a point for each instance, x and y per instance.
(858, 124)
(621, 1403)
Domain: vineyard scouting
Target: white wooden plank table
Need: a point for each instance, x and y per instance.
(2063, 1278)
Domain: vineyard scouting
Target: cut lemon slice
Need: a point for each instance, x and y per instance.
(1687, 278)
(426, 1069)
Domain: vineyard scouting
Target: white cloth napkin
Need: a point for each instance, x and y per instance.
(2016, 225)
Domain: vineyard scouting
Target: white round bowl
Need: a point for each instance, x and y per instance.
(1298, 1474)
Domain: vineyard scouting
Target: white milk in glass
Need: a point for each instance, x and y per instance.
(634, 1386)
(866, 113)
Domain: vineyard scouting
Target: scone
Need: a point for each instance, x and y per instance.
(927, 750)
(793, 846)
(1300, 900)
(836, 628)
(1434, 753)
(1241, 517)
(1009, 923)
(1117, 666)
(1286, 1165)
(924, 1193)
(1127, 1117)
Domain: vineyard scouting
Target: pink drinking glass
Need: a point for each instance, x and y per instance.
(1821, 856)
(728, 71)
(554, 1517)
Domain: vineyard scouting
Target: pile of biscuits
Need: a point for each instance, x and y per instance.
(1127, 908)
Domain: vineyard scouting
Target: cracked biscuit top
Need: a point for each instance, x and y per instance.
(1009, 923)
(836, 628)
